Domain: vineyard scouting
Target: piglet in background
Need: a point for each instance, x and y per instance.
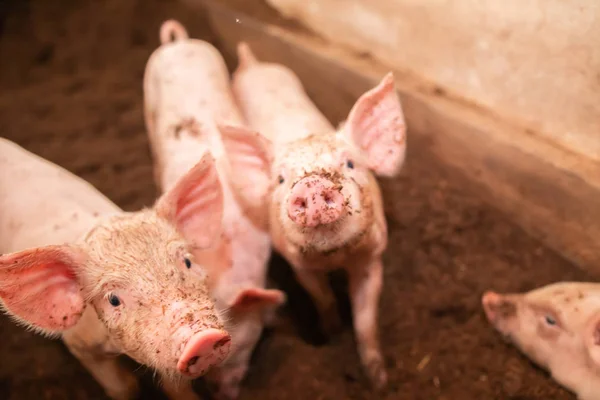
(324, 204)
(109, 281)
(187, 94)
(558, 327)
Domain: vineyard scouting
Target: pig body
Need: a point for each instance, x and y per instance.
(558, 327)
(108, 281)
(322, 201)
(186, 95)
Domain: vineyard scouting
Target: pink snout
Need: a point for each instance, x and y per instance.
(315, 201)
(204, 350)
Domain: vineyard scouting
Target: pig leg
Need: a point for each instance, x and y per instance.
(179, 391)
(118, 382)
(317, 285)
(365, 289)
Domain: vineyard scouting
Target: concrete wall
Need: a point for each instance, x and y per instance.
(535, 62)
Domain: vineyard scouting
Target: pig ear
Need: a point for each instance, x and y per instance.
(253, 298)
(250, 157)
(195, 204)
(376, 125)
(39, 287)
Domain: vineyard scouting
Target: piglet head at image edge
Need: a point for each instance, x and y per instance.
(138, 275)
(319, 187)
(556, 326)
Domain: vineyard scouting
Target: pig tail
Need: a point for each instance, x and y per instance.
(245, 55)
(171, 31)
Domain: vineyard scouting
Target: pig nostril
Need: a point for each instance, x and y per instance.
(192, 361)
(300, 204)
(221, 343)
(328, 199)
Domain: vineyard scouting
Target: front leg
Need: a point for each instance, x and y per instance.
(317, 285)
(365, 289)
(182, 390)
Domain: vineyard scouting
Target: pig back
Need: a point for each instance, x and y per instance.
(186, 95)
(274, 102)
(42, 203)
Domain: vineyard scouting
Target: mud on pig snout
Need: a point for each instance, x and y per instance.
(314, 201)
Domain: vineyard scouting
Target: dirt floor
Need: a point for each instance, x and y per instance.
(71, 91)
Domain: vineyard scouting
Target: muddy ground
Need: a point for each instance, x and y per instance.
(71, 91)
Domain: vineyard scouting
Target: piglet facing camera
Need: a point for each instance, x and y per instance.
(319, 195)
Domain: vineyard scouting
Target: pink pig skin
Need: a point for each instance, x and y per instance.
(558, 327)
(322, 202)
(108, 281)
(186, 95)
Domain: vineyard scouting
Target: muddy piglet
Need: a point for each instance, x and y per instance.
(108, 281)
(558, 327)
(187, 94)
(324, 204)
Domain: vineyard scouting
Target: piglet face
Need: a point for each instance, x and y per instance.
(557, 326)
(321, 195)
(152, 298)
(141, 273)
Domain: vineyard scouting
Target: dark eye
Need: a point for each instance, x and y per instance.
(350, 164)
(550, 320)
(188, 263)
(114, 300)
(280, 179)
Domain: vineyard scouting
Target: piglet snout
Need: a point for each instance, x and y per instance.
(204, 350)
(315, 201)
(497, 307)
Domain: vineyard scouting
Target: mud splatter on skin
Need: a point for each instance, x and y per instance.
(190, 125)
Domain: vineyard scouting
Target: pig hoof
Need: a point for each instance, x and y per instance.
(377, 373)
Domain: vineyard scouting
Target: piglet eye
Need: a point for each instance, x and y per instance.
(350, 164)
(280, 179)
(188, 263)
(114, 300)
(550, 321)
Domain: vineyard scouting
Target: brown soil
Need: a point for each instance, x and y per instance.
(71, 91)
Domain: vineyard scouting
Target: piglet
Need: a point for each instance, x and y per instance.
(558, 327)
(186, 95)
(324, 204)
(110, 281)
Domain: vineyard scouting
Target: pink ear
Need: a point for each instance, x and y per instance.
(40, 287)
(258, 298)
(376, 125)
(250, 156)
(195, 204)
